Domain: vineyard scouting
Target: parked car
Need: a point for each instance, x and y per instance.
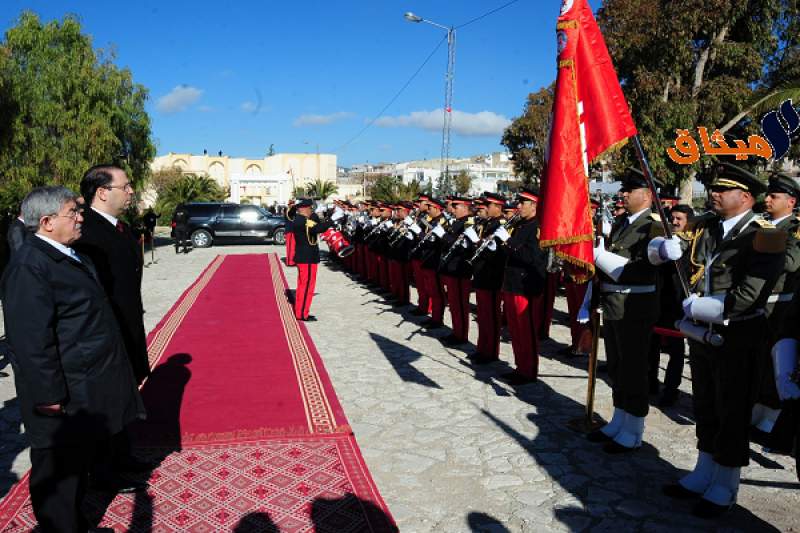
(204, 223)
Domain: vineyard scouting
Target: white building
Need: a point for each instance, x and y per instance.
(485, 170)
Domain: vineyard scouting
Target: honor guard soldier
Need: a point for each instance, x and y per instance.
(523, 285)
(399, 248)
(431, 252)
(780, 202)
(736, 258)
(289, 235)
(488, 262)
(454, 270)
(629, 298)
(306, 233)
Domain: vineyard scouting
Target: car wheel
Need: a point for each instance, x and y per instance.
(201, 239)
(279, 237)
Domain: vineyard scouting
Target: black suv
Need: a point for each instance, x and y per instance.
(206, 223)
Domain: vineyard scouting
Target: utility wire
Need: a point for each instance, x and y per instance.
(395, 97)
(493, 11)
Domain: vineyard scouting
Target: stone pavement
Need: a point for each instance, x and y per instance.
(452, 449)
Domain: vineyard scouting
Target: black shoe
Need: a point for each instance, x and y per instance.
(418, 312)
(309, 318)
(679, 492)
(709, 510)
(613, 447)
(566, 351)
(598, 436)
(431, 324)
(484, 360)
(119, 486)
(515, 378)
(453, 340)
(399, 304)
(668, 398)
(654, 388)
(602, 367)
(475, 356)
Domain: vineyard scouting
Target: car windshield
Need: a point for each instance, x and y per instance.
(251, 214)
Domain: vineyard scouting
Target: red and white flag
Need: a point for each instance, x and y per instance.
(590, 115)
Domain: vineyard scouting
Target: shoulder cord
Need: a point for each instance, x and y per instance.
(699, 268)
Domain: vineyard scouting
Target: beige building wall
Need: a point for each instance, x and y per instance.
(265, 181)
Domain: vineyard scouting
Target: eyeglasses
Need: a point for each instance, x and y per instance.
(72, 214)
(126, 187)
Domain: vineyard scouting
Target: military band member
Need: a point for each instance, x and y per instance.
(629, 299)
(306, 233)
(487, 280)
(736, 258)
(431, 252)
(418, 230)
(523, 285)
(399, 249)
(780, 202)
(454, 271)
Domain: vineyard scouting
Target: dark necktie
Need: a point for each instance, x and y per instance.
(120, 226)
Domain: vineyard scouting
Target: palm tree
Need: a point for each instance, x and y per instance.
(321, 189)
(189, 188)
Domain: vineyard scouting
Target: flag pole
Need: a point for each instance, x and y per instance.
(648, 175)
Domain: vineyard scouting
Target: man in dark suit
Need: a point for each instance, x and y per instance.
(118, 259)
(17, 234)
(73, 379)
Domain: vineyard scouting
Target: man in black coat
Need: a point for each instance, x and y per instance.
(73, 379)
(117, 256)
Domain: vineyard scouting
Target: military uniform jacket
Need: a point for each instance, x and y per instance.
(786, 285)
(732, 266)
(432, 248)
(525, 271)
(630, 241)
(489, 267)
(306, 235)
(456, 264)
(117, 256)
(66, 348)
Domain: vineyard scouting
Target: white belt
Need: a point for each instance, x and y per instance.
(783, 297)
(627, 289)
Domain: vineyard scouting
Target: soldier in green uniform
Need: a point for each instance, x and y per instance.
(628, 287)
(780, 202)
(736, 258)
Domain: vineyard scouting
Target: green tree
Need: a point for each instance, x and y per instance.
(65, 107)
(696, 65)
(383, 188)
(321, 189)
(527, 136)
(189, 188)
(462, 182)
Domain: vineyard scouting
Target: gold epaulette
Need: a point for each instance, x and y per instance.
(687, 235)
(763, 223)
(470, 221)
(655, 216)
(503, 221)
(310, 223)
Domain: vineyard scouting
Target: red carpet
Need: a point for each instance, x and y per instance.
(243, 419)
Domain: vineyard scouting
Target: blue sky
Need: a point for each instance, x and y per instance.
(238, 76)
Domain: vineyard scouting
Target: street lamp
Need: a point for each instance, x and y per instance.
(445, 182)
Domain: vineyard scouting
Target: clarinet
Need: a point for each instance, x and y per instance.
(488, 240)
(453, 247)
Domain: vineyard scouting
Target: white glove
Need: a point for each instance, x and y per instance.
(415, 228)
(706, 308)
(337, 214)
(464, 243)
(438, 231)
(600, 248)
(320, 209)
(583, 312)
(409, 236)
(671, 249)
(408, 221)
(502, 234)
(606, 228)
(470, 234)
(784, 359)
(492, 246)
(387, 224)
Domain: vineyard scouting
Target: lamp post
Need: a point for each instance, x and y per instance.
(445, 181)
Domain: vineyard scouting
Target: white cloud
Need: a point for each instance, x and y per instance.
(249, 107)
(321, 120)
(178, 99)
(483, 123)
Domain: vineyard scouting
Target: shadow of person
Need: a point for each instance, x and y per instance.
(163, 395)
(349, 513)
(400, 357)
(616, 492)
(259, 522)
(484, 523)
